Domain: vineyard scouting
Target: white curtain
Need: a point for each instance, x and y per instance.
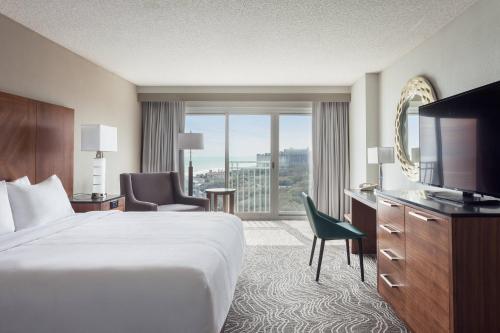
(330, 157)
(161, 123)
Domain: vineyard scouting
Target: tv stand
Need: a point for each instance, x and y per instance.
(445, 267)
(466, 198)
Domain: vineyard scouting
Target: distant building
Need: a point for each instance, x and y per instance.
(253, 177)
(288, 158)
(294, 157)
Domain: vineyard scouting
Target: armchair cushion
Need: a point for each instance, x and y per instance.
(140, 206)
(180, 208)
(153, 187)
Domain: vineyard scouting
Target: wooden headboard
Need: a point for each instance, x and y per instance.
(36, 140)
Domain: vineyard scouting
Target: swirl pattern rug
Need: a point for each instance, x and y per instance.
(276, 291)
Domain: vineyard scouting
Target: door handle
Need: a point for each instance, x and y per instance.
(388, 204)
(388, 282)
(390, 255)
(390, 229)
(421, 217)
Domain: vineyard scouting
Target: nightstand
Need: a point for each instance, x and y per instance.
(82, 203)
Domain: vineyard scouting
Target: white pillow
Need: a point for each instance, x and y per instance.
(6, 220)
(38, 204)
(21, 181)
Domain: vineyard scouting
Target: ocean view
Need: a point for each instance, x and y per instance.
(203, 164)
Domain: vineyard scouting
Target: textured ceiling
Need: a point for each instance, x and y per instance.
(195, 42)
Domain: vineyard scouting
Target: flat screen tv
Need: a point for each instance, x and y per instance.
(460, 142)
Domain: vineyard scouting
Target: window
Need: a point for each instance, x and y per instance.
(294, 160)
(209, 163)
(263, 153)
(250, 162)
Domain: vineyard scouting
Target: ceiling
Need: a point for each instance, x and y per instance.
(238, 42)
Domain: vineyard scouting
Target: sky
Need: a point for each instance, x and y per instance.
(249, 134)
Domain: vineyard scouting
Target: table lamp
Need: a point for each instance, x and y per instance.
(380, 155)
(190, 141)
(99, 138)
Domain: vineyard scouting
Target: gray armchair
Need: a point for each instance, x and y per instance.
(158, 192)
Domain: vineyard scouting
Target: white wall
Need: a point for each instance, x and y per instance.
(34, 67)
(463, 55)
(363, 128)
(357, 133)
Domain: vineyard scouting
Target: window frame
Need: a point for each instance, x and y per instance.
(274, 110)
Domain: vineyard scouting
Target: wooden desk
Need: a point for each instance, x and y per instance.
(364, 217)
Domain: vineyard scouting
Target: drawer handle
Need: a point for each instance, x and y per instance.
(388, 282)
(421, 217)
(388, 204)
(389, 254)
(390, 229)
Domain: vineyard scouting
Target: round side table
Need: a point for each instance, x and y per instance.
(227, 193)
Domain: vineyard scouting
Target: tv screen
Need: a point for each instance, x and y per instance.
(460, 141)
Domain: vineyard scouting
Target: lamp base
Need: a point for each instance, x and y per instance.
(98, 195)
(190, 179)
(99, 176)
(380, 177)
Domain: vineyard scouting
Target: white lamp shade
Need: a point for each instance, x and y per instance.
(380, 155)
(190, 141)
(99, 138)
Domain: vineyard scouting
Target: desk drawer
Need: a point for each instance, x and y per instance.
(391, 282)
(391, 245)
(390, 212)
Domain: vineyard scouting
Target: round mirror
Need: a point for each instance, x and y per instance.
(417, 92)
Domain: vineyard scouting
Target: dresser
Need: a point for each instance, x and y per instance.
(439, 263)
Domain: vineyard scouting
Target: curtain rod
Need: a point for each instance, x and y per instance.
(242, 97)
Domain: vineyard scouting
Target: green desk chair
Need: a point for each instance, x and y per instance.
(326, 228)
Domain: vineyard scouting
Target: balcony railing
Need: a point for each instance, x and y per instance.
(252, 181)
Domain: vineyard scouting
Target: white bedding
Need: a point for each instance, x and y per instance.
(121, 272)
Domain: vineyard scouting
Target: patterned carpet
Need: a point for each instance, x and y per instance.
(276, 291)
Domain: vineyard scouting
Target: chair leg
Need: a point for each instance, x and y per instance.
(348, 254)
(321, 248)
(360, 246)
(312, 250)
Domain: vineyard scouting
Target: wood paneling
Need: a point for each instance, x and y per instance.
(54, 148)
(395, 272)
(451, 270)
(391, 212)
(427, 273)
(476, 268)
(393, 269)
(17, 137)
(394, 242)
(36, 140)
(364, 218)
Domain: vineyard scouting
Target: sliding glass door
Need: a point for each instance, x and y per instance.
(295, 136)
(209, 164)
(250, 161)
(264, 156)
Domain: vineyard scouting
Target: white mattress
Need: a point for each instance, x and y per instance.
(121, 272)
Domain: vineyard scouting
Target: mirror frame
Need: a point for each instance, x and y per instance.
(417, 86)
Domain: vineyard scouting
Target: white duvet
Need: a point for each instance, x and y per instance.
(121, 272)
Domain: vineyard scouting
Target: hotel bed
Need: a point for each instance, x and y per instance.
(121, 272)
(100, 271)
